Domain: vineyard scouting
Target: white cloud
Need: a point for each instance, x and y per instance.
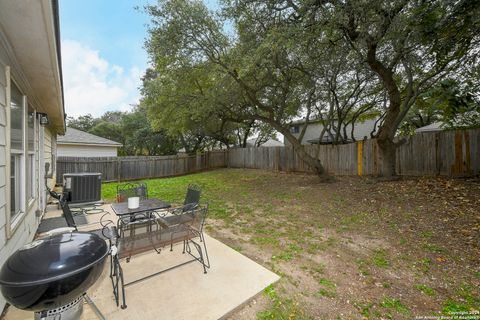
(93, 85)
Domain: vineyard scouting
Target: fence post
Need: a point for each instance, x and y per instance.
(198, 161)
(360, 158)
(244, 156)
(119, 166)
(277, 159)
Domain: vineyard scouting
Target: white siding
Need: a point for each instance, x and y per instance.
(3, 160)
(69, 150)
(3, 178)
(313, 131)
(49, 155)
(28, 56)
(27, 227)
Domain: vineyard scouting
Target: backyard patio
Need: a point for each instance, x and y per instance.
(182, 293)
(352, 249)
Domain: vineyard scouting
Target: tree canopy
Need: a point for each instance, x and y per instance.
(270, 62)
(131, 129)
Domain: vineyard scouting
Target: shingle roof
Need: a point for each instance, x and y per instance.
(268, 143)
(74, 136)
(436, 126)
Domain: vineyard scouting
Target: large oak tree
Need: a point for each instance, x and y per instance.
(274, 61)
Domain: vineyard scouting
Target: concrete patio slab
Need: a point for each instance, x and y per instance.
(182, 293)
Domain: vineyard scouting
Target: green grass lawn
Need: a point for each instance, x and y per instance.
(173, 190)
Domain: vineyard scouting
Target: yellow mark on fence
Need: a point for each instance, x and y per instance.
(360, 157)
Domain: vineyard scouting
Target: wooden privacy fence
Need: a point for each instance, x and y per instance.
(143, 167)
(446, 153)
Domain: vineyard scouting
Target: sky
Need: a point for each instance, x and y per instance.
(102, 54)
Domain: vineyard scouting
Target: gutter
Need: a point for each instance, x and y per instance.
(56, 22)
(67, 143)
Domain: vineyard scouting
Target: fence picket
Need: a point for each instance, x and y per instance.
(447, 153)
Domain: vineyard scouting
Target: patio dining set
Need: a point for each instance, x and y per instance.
(153, 225)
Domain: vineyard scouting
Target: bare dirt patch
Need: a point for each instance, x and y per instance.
(355, 248)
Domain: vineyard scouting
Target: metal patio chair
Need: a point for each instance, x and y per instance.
(191, 201)
(131, 189)
(193, 196)
(52, 226)
(67, 217)
(175, 216)
(153, 232)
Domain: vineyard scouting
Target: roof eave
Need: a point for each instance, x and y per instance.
(29, 32)
(89, 144)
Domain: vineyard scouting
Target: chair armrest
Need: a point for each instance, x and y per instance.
(176, 211)
(163, 222)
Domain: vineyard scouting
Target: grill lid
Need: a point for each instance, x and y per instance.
(53, 258)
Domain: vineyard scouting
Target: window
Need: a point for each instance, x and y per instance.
(31, 156)
(295, 129)
(15, 181)
(16, 149)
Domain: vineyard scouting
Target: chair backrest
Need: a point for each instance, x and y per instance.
(127, 190)
(198, 216)
(67, 214)
(150, 231)
(193, 194)
(54, 194)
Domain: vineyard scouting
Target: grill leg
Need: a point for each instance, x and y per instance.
(118, 282)
(94, 307)
(111, 267)
(124, 303)
(114, 277)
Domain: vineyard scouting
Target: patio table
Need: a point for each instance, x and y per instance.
(121, 208)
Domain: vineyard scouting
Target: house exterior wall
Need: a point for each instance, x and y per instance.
(76, 150)
(313, 131)
(3, 174)
(50, 156)
(14, 234)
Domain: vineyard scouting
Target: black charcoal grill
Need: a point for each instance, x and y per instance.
(50, 276)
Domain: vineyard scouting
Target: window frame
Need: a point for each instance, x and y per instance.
(17, 187)
(13, 221)
(15, 218)
(30, 167)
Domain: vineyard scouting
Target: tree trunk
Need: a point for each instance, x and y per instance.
(245, 138)
(299, 149)
(387, 130)
(387, 158)
(315, 163)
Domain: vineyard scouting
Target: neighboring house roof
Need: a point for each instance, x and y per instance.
(326, 139)
(302, 121)
(315, 120)
(75, 136)
(436, 126)
(268, 143)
